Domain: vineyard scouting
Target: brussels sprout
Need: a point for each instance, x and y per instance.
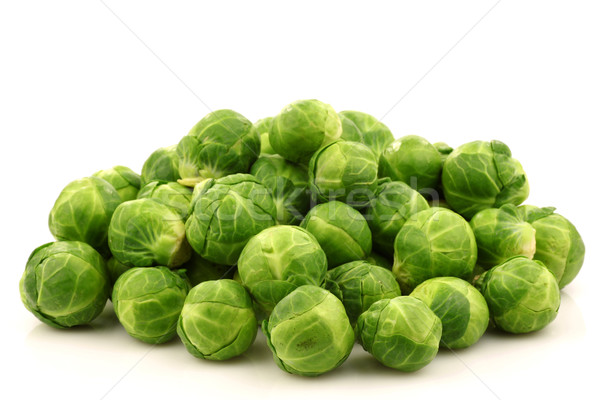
(461, 308)
(226, 213)
(444, 149)
(262, 127)
(115, 269)
(345, 171)
(217, 321)
(380, 261)
(123, 179)
(374, 133)
(83, 212)
(302, 127)
(501, 234)
(350, 131)
(65, 284)
(222, 143)
(162, 165)
(558, 244)
(413, 160)
(199, 270)
(436, 242)
(522, 295)
(480, 175)
(393, 205)
(309, 332)
(170, 194)
(148, 302)
(277, 261)
(342, 232)
(401, 333)
(288, 183)
(145, 233)
(359, 284)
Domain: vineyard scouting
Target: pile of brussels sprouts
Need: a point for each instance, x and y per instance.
(318, 226)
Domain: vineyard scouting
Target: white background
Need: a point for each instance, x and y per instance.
(85, 85)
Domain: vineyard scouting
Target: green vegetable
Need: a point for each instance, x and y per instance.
(309, 332)
(350, 131)
(344, 171)
(480, 175)
(380, 261)
(501, 234)
(302, 127)
(162, 165)
(65, 284)
(359, 284)
(83, 212)
(412, 160)
(148, 302)
(342, 232)
(461, 308)
(199, 270)
(435, 242)
(558, 244)
(522, 294)
(220, 144)
(217, 321)
(262, 127)
(373, 133)
(277, 261)
(115, 269)
(226, 213)
(401, 333)
(145, 233)
(394, 204)
(288, 183)
(123, 179)
(170, 194)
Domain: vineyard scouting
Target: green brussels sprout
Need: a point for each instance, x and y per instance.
(302, 127)
(522, 295)
(162, 165)
(309, 332)
(222, 143)
(342, 232)
(412, 160)
(480, 175)
(359, 284)
(148, 302)
(82, 212)
(401, 333)
(277, 261)
(380, 261)
(65, 284)
(374, 133)
(115, 269)
(444, 149)
(344, 171)
(217, 321)
(146, 233)
(199, 270)
(558, 244)
(436, 242)
(394, 203)
(170, 194)
(288, 183)
(226, 213)
(501, 234)
(123, 179)
(461, 308)
(262, 127)
(350, 131)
